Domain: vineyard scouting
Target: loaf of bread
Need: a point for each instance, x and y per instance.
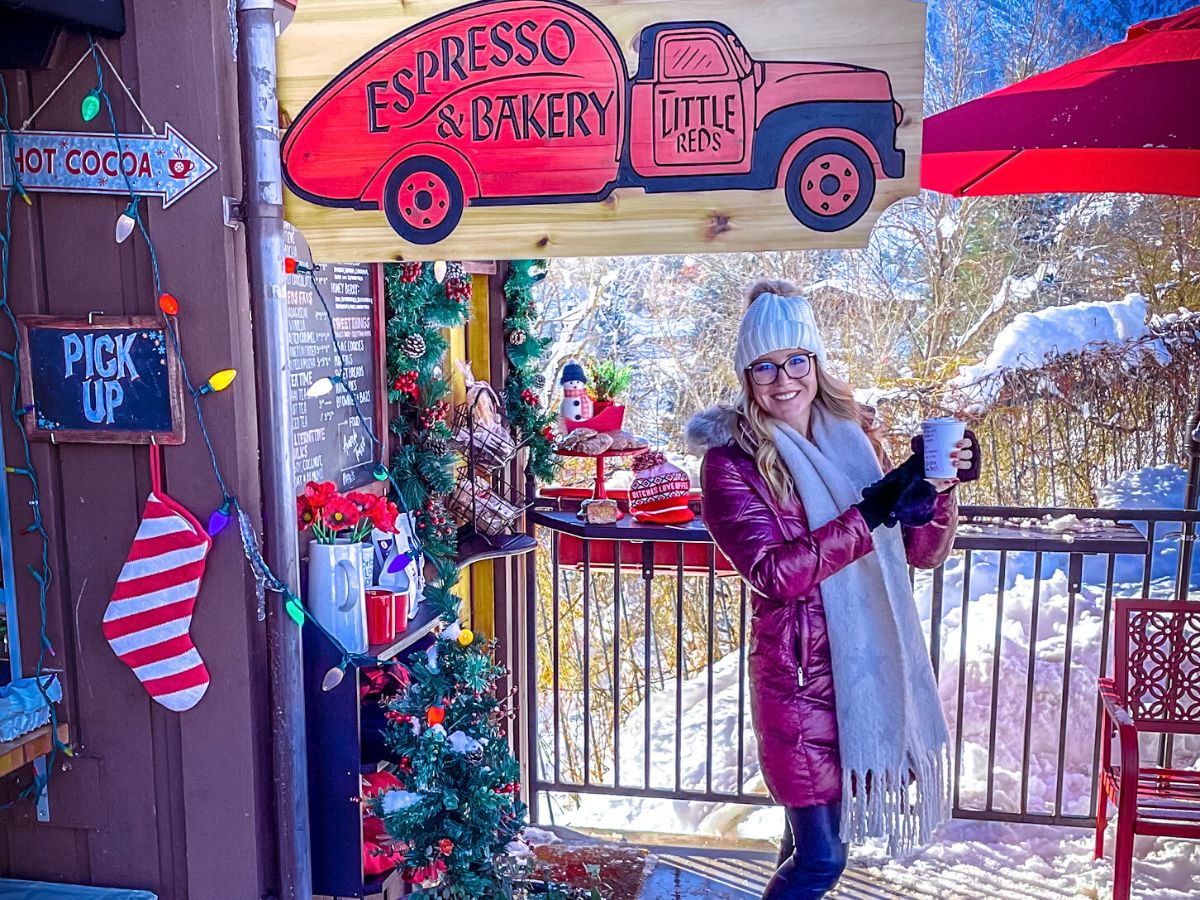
(600, 512)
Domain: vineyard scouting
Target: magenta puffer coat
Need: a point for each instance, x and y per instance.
(784, 561)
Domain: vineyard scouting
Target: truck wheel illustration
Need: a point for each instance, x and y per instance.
(423, 200)
(830, 184)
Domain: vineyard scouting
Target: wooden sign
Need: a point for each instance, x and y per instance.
(532, 128)
(108, 379)
(329, 442)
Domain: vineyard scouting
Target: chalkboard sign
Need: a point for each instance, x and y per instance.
(329, 442)
(107, 379)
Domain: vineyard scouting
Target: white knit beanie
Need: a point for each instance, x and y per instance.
(774, 322)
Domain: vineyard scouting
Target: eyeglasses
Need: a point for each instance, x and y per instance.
(767, 372)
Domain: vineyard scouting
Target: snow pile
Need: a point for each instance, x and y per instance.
(1033, 337)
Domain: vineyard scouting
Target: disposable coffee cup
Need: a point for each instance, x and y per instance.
(941, 438)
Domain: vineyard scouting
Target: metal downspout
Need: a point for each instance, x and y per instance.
(263, 200)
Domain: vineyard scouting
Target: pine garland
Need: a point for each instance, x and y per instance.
(423, 469)
(531, 422)
(457, 808)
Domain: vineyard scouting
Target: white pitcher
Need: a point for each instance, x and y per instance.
(337, 594)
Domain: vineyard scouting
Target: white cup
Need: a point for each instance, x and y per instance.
(941, 439)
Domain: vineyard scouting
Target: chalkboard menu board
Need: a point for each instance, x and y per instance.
(328, 440)
(108, 379)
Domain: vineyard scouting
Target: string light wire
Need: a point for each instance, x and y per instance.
(42, 573)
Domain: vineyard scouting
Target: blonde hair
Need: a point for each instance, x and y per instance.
(754, 426)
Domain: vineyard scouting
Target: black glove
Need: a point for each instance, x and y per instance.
(917, 504)
(879, 499)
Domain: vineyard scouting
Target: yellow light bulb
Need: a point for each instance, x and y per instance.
(221, 380)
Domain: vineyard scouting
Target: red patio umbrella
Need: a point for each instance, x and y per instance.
(1125, 119)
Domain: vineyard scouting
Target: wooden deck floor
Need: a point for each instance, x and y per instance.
(692, 874)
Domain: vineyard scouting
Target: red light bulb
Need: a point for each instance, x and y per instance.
(289, 265)
(168, 304)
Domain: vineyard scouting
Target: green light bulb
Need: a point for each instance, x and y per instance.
(90, 107)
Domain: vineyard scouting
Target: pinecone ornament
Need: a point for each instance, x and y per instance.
(455, 272)
(438, 445)
(414, 346)
(539, 382)
(517, 337)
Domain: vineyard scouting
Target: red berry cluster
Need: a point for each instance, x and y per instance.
(548, 433)
(431, 415)
(458, 290)
(410, 272)
(406, 383)
(529, 397)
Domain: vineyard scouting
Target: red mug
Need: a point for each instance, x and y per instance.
(400, 604)
(381, 616)
(180, 168)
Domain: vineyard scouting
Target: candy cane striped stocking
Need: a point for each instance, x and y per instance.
(148, 618)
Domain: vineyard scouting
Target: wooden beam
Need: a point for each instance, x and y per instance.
(25, 749)
(479, 329)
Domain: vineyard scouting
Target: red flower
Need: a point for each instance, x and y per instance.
(305, 513)
(384, 515)
(319, 493)
(445, 846)
(338, 513)
(548, 433)
(529, 397)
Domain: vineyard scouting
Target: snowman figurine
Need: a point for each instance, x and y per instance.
(576, 405)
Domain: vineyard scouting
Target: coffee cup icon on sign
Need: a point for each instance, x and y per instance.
(180, 168)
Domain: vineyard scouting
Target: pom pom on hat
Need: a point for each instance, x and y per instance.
(573, 371)
(776, 322)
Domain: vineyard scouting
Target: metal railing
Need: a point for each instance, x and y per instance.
(637, 686)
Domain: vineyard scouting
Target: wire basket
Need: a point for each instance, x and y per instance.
(489, 497)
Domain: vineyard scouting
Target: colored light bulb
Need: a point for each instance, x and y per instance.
(439, 271)
(90, 107)
(289, 265)
(218, 520)
(381, 472)
(218, 381)
(125, 223)
(168, 304)
(294, 611)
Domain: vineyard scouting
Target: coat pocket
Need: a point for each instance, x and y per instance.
(801, 647)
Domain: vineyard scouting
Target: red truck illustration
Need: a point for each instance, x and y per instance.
(508, 102)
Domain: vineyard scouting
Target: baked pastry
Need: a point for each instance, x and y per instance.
(585, 440)
(572, 439)
(623, 440)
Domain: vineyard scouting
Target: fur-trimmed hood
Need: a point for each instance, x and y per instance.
(712, 427)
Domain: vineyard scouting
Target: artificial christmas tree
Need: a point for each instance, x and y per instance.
(456, 810)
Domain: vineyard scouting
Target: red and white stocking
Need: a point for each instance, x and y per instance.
(147, 620)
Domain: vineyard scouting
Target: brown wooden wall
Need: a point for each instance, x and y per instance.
(175, 803)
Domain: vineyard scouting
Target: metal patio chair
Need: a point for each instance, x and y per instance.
(1155, 690)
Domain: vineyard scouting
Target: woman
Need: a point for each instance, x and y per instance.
(851, 737)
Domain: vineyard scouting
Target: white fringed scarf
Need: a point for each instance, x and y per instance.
(892, 735)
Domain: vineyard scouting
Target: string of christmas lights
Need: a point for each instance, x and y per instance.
(41, 573)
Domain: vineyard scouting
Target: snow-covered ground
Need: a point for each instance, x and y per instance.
(1056, 860)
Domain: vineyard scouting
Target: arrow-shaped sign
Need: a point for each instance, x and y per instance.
(151, 165)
